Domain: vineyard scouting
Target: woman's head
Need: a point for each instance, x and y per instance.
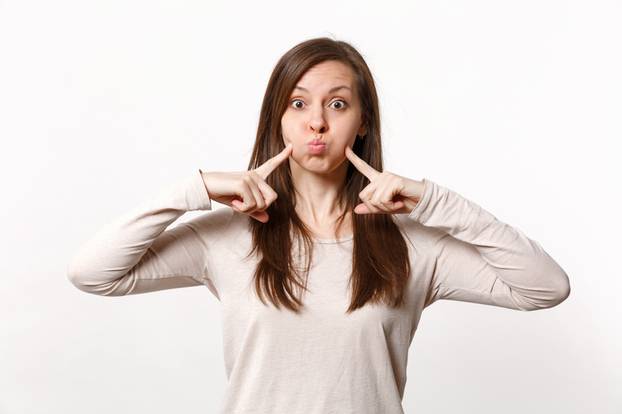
(292, 114)
(324, 107)
(299, 106)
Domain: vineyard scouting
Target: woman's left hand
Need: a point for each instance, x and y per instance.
(386, 193)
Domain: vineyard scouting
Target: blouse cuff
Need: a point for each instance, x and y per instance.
(197, 197)
(424, 201)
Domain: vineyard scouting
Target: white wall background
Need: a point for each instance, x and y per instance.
(515, 105)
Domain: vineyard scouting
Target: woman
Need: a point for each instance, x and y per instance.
(378, 249)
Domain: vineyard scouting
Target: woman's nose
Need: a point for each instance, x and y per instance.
(317, 122)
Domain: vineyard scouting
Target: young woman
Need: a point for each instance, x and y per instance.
(322, 262)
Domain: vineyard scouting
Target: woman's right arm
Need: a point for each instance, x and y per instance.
(137, 254)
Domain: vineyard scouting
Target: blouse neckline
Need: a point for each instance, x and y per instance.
(333, 240)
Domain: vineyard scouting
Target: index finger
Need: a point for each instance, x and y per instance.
(265, 169)
(367, 170)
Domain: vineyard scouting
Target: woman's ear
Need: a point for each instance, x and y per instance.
(362, 131)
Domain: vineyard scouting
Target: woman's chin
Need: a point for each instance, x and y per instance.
(320, 166)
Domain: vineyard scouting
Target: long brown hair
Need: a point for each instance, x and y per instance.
(380, 261)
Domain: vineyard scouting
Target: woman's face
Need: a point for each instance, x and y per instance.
(323, 106)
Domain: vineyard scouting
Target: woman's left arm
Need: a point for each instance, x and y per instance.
(483, 260)
(477, 257)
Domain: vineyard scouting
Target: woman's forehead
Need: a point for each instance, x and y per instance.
(326, 76)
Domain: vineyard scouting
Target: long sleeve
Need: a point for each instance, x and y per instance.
(136, 254)
(480, 259)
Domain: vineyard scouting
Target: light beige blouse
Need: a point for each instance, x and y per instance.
(321, 361)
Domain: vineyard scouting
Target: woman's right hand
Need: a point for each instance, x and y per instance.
(246, 191)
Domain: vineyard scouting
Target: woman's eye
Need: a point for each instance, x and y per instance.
(342, 105)
(294, 102)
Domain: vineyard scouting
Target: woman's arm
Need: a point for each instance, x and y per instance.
(136, 254)
(483, 260)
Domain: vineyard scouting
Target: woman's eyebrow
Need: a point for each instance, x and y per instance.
(336, 88)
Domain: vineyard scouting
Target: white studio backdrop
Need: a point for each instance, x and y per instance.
(515, 105)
